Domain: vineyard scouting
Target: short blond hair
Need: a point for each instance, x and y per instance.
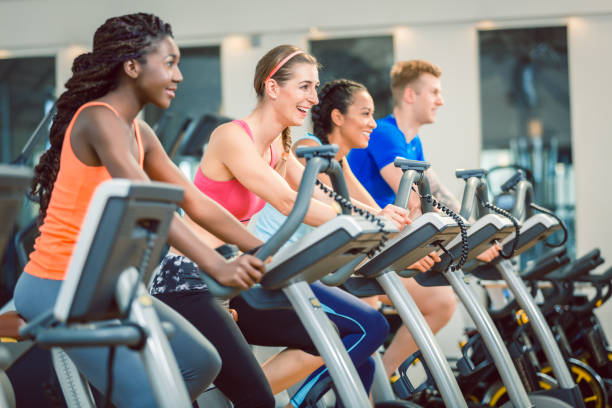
(405, 73)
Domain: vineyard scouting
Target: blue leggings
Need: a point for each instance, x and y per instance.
(196, 357)
(362, 330)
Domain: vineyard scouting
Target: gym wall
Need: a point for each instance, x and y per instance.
(444, 32)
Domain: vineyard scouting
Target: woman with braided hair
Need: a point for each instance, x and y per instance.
(344, 116)
(95, 136)
(241, 170)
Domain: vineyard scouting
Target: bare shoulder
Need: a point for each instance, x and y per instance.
(145, 128)
(97, 121)
(147, 134)
(229, 130)
(99, 135)
(346, 166)
(228, 135)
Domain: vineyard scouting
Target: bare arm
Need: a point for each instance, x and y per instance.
(107, 136)
(441, 192)
(393, 176)
(356, 190)
(295, 171)
(246, 165)
(203, 210)
(358, 194)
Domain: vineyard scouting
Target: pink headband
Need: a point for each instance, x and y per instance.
(283, 62)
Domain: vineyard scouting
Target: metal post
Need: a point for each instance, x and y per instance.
(424, 338)
(381, 387)
(157, 356)
(327, 342)
(492, 339)
(5, 120)
(538, 324)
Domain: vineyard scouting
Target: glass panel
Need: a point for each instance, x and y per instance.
(197, 96)
(526, 114)
(27, 87)
(364, 59)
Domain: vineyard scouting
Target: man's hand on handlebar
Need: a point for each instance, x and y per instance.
(426, 263)
(397, 215)
(490, 254)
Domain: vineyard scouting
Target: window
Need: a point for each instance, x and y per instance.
(526, 113)
(199, 95)
(365, 59)
(27, 87)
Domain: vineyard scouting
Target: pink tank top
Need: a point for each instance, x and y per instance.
(232, 195)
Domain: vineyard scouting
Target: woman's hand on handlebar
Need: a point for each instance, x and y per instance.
(426, 263)
(397, 215)
(490, 254)
(242, 272)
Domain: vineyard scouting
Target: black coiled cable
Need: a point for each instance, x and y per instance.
(464, 238)
(345, 203)
(552, 214)
(517, 228)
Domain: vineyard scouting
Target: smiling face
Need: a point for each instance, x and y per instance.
(160, 75)
(357, 123)
(295, 96)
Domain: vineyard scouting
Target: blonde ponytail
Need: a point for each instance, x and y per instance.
(281, 164)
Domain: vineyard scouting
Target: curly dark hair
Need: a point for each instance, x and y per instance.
(337, 94)
(94, 74)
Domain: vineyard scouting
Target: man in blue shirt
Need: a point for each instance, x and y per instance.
(417, 95)
(387, 142)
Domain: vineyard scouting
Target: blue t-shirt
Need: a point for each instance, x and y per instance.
(386, 143)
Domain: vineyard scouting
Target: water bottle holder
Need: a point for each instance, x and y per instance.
(403, 386)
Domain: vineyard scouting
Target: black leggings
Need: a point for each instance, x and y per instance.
(362, 330)
(241, 378)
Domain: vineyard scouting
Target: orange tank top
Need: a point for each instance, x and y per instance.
(72, 191)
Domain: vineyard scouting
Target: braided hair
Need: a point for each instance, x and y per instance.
(264, 66)
(94, 74)
(337, 94)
